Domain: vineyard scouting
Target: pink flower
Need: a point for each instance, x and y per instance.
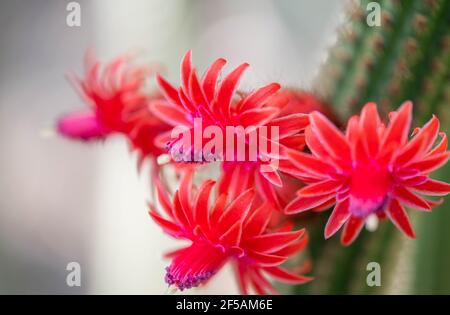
(217, 103)
(233, 231)
(372, 169)
(118, 104)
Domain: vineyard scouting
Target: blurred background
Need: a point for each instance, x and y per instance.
(62, 201)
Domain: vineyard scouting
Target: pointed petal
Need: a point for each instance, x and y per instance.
(227, 88)
(184, 192)
(370, 121)
(232, 236)
(353, 131)
(273, 177)
(179, 213)
(186, 68)
(414, 181)
(435, 203)
(410, 199)
(186, 102)
(266, 190)
(258, 220)
(263, 282)
(209, 81)
(399, 217)
(431, 129)
(169, 113)
(195, 91)
(351, 230)
(168, 226)
(311, 165)
(225, 177)
(258, 97)
(266, 260)
(258, 117)
(429, 133)
(431, 163)
(218, 209)
(320, 188)
(295, 247)
(324, 206)
(314, 144)
(168, 90)
(269, 243)
(290, 124)
(201, 207)
(442, 146)
(338, 217)
(397, 131)
(241, 277)
(413, 150)
(240, 180)
(238, 209)
(330, 137)
(433, 188)
(301, 204)
(285, 276)
(162, 197)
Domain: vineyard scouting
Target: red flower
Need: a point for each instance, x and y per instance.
(112, 92)
(118, 105)
(372, 169)
(235, 231)
(215, 102)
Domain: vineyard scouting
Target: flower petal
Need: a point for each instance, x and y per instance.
(169, 113)
(186, 68)
(300, 204)
(238, 209)
(397, 131)
(258, 97)
(370, 121)
(168, 226)
(209, 81)
(330, 137)
(195, 91)
(258, 116)
(295, 247)
(285, 276)
(433, 188)
(320, 188)
(201, 215)
(337, 218)
(233, 235)
(258, 220)
(310, 164)
(227, 88)
(431, 163)
(351, 230)
(269, 243)
(168, 90)
(266, 260)
(273, 177)
(290, 124)
(410, 199)
(399, 217)
(442, 146)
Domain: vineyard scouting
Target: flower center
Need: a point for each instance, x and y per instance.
(194, 265)
(369, 187)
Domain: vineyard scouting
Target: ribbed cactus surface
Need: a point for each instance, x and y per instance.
(407, 57)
